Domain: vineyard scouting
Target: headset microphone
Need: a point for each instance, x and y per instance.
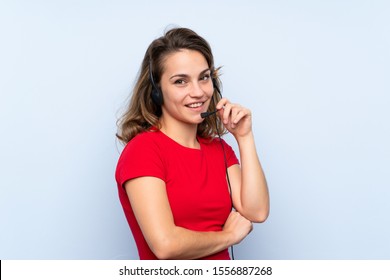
(207, 114)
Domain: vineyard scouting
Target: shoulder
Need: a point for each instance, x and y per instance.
(143, 144)
(142, 156)
(149, 136)
(144, 139)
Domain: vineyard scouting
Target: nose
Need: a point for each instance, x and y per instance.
(198, 90)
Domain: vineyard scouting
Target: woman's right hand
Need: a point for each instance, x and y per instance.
(237, 226)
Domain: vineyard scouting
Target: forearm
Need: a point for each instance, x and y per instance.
(151, 208)
(254, 190)
(187, 244)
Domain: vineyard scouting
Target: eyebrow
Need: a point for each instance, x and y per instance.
(185, 75)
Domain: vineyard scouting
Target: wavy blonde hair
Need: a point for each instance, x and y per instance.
(142, 113)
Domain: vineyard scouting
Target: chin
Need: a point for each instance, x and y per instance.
(194, 120)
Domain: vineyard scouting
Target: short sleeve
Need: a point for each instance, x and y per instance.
(231, 157)
(140, 157)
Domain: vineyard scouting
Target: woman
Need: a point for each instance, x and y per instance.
(177, 181)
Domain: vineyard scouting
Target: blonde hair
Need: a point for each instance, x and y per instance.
(142, 113)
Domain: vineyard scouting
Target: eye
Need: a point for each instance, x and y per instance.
(205, 77)
(180, 82)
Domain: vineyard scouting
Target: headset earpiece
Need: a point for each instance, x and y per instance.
(157, 96)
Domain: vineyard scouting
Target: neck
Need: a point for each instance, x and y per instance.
(184, 134)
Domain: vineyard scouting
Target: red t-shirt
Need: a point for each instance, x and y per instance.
(195, 181)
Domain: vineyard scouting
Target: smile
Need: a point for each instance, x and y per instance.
(195, 105)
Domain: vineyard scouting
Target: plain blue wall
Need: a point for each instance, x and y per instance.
(314, 73)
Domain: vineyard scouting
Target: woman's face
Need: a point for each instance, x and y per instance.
(186, 86)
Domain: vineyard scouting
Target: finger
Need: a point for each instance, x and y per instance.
(226, 113)
(235, 112)
(242, 113)
(221, 103)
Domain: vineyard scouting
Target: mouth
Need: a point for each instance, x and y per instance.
(195, 105)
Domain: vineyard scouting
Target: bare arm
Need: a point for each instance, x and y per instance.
(249, 186)
(150, 204)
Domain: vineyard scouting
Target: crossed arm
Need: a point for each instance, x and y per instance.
(250, 195)
(166, 240)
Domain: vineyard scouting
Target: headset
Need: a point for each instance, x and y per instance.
(157, 98)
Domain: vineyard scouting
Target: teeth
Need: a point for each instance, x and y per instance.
(194, 105)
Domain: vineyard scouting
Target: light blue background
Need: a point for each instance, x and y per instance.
(314, 73)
